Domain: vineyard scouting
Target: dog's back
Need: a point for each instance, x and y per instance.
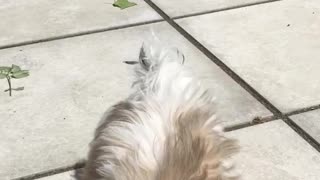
(166, 129)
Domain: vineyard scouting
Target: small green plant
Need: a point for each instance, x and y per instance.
(123, 4)
(13, 72)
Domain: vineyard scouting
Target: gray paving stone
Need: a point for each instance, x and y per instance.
(186, 7)
(273, 49)
(63, 176)
(274, 151)
(310, 122)
(73, 81)
(37, 19)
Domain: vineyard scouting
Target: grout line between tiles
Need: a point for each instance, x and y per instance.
(306, 136)
(276, 112)
(224, 9)
(254, 122)
(83, 33)
(303, 110)
(52, 172)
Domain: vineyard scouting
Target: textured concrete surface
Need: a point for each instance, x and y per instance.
(276, 54)
(63, 176)
(310, 122)
(185, 7)
(37, 19)
(273, 151)
(73, 81)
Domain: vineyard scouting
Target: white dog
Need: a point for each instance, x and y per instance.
(166, 129)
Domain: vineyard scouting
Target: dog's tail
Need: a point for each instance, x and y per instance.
(161, 71)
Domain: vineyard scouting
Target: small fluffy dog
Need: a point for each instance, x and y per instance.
(165, 130)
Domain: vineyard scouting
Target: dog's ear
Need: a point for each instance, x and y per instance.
(144, 59)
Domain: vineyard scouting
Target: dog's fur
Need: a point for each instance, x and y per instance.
(166, 129)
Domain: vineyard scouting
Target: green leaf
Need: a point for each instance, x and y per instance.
(123, 4)
(15, 68)
(2, 76)
(20, 74)
(4, 70)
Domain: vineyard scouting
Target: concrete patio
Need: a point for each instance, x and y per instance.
(261, 58)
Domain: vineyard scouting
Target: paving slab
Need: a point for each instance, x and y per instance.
(40, 19)
(273, 46)
(188, 7)
(73, 81)
(62, 176)
(274, 151)
(310, 122)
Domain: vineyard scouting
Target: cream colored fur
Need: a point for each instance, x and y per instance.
(166, 129)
